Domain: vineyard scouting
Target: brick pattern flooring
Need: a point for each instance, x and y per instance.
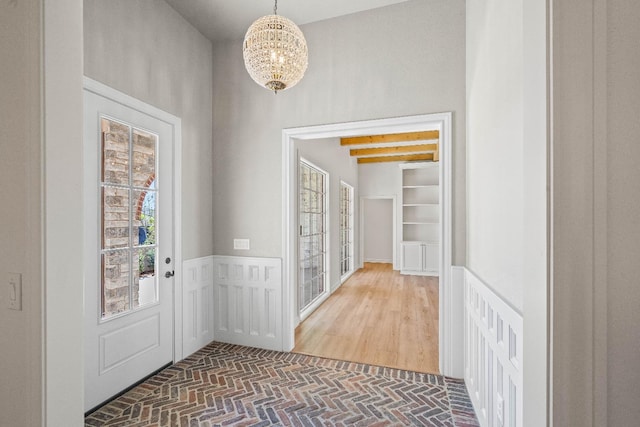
(228, 385)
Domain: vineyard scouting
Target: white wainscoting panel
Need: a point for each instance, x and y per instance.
(248, 301)
(197, 304)
(493, 355)
(452, 325)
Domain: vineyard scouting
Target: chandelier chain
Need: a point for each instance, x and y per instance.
(275, 7)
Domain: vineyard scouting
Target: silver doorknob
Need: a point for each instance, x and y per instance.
(169, 274)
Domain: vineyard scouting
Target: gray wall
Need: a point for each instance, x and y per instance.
(399, 60)
(623, 237)
(507, 209)
(145, 49)
(378, 230)
(596, 230)
(380, 179)
(20, 331)
(328, 155)
(495, 140)
(41, 125)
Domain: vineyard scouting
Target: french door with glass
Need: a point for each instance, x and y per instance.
(346, 230)
(312, 240)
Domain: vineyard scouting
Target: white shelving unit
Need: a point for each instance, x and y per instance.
(420, 216)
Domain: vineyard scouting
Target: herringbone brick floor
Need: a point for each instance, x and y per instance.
(228, 385)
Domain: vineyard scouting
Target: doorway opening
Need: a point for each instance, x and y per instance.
(441, 122)
(378, 226)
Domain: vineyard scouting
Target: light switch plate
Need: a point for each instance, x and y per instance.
(241, 244)
(14, 291)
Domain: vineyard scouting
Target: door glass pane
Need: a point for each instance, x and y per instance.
(128, 217)
(313, 178)
(115, 284)
(144, 220)
(115, 220)
(144, 279)
(144, 158)
(305, 204)
(115, 152)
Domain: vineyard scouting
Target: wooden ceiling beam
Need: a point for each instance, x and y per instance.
(404, 158)
(420, 148)
(394, 137)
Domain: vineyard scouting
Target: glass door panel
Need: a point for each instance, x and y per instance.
(346, 228)
(312, 235)
(128, 213)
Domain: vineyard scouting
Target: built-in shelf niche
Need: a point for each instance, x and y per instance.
(420, 202)
(420, 218)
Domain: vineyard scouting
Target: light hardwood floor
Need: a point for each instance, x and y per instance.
(378, 317)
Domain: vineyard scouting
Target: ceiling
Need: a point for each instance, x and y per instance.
(396, 147)
(229, 19)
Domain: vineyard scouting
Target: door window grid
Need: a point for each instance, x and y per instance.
(128, 217)
(312, 239)
(346, 228)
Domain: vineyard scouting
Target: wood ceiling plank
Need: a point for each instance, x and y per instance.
(357, 152)
(393, 137)
(405, 158)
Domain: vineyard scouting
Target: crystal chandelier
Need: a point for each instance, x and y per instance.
(275, 52)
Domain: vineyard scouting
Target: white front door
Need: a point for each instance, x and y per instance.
(129, 254)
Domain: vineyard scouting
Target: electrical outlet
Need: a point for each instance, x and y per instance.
(241, 244)
(500, 410)
(14, 291)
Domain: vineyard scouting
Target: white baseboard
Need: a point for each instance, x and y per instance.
(347, 276)
(383, 261)
(493, 338)
(338, 284)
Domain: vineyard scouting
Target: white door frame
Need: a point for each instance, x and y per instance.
(394, 227)
(439, 121)
(124, 99)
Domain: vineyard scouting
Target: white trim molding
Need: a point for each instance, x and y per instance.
(454, 333)
(441, 122)
(493, 355)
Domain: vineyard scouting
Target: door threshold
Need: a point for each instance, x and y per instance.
(137, 383)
